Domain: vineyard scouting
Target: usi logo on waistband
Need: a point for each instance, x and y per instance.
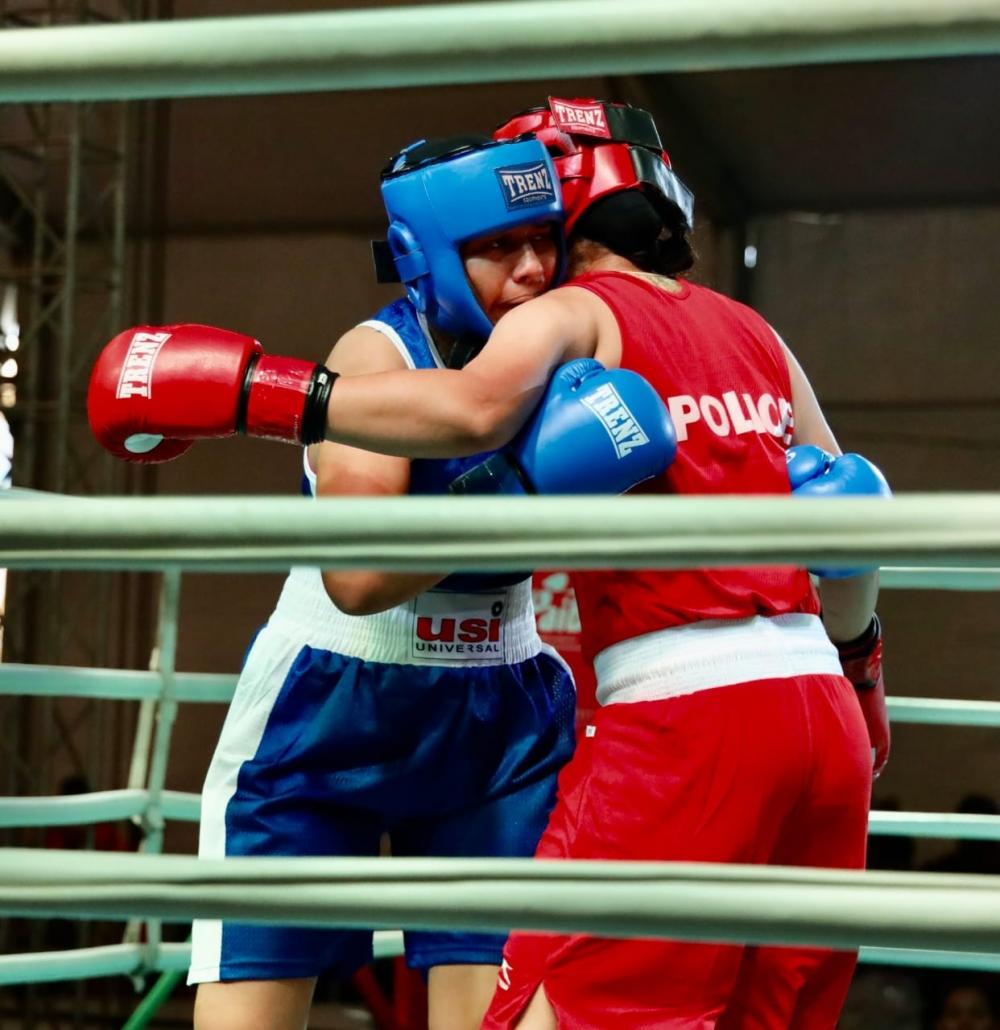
(458, 627)
(465, 631)
(580, 117)
(526, 185)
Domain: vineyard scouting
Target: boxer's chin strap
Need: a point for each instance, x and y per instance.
(314, 409)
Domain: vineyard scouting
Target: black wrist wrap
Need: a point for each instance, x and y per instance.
(314, 410)
(861, 658)
(241, 411)
(863, 645)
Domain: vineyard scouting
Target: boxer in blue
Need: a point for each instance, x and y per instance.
(376, 702)
(373, 702)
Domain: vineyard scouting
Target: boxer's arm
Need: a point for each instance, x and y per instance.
(849, 603)
(343, 471)
(451, 413)
(211, 382)
(810, 426)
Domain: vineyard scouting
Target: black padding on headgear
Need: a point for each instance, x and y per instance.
(629, 124)
(385, 264)
(626, 222)
(428, 151)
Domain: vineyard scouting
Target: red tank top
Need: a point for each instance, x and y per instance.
(720, 369)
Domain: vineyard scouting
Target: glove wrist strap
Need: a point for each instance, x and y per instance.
(864, 644)
(244, 405)
(314, 412)
(861, 658)
(498, 474)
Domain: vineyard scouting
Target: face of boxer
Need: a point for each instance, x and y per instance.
(507, 269)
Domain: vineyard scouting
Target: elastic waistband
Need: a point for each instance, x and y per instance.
(713, 653)
(438, 627)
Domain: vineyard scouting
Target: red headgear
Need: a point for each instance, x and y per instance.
(600, 148)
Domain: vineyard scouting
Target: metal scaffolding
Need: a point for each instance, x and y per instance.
(64, 172)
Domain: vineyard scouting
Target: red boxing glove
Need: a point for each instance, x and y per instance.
(155, 389)
(861, 660)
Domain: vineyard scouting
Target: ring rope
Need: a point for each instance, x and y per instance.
(134, 960)
(475, 42)
(911, 578)
(501, 534)
(182, 806)
(755, 904)
(218, 688)
(111, 684)
(84, 963)
(944, 711)
(131, 960)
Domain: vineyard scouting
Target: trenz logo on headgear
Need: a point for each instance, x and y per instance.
(136, 379)
(623, 428)
(587, 119)
(526, 185)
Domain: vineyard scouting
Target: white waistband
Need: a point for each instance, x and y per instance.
(713, 653)
(438, 627)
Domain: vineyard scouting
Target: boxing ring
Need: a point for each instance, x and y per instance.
(932, 541)
(942, 541)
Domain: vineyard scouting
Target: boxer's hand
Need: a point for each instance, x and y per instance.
(155, 389)
(813, 472)
(861, 660)
(595, 431)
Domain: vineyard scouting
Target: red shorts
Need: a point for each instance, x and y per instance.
(775, 771)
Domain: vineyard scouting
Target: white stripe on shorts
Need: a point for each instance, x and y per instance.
(258, 688)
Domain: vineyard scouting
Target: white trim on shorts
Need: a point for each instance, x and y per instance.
(258, 687)
(713, 653)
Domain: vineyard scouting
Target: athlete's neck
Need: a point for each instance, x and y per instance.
(600, 259)
(590, 256)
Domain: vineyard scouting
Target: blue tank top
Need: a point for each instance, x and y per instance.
(407, 331)
(400, 323)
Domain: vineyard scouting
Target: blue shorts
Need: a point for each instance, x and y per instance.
(322, 753)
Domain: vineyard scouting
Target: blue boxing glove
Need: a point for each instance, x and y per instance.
(595, 431)
(813, 472)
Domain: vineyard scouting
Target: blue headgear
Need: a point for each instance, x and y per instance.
(439, 196)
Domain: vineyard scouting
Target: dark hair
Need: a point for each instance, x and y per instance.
(653, 236)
